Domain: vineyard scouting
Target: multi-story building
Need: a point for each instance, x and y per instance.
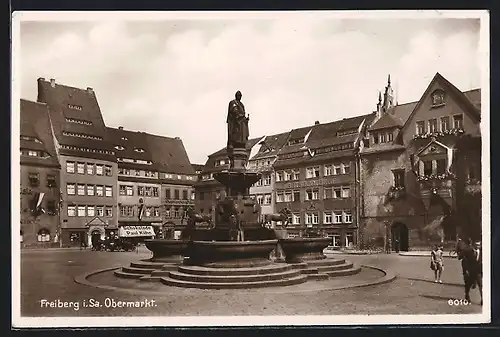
(420, 169)
(139, 187)
(39, 177)
(316, 179)
(208, 190)
(88, 178)
(262, 162)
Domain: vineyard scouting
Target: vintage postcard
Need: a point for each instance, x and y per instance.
(250, 168)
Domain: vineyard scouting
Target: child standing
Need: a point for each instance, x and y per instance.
(437, 263)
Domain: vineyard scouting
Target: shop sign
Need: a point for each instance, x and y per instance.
(310, 183)
(135, 231)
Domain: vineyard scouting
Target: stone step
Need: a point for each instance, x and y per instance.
(123, 274)
(309, 271)
(147, 264)
(324, 269)
(170, 267)
(318, 277)
(161, 273)
(134, 270)
(301, 265)
(236, 285)
(233, 278)
(150, 278)
(345, 272)
(325, 262)
(197, 270)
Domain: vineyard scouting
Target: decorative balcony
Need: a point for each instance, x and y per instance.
(451, 132)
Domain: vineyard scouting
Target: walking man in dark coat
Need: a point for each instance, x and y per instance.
(472, 265)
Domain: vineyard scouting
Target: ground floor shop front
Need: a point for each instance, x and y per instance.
(341, 238)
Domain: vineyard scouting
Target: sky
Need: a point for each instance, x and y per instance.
(175, 77)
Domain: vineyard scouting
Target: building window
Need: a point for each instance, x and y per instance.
(109, 191)
(335, 240)
(437, 98)
(184, 193)
(99, 190)
(346, 168)
(328, 170)
(328, 193)
(90, 169)
(347, 216)
(267, 180)
(167, 193)
(80, 168)
(458, 122)
(98, 170)
(296, 195)
(327, 218)
(108, 170)
(337, 192)
(71, 210)
(99, 210)
(81, 189)
(140, 191)
(288, 196)
(433, 125)
(382, 137)
(108, 211)
(51, 181)
(70, 189)
(440, 166)
(176, 195)
(315, 219)
(288, 175)
(296, 219)
(129, 190)
(312, 172)
(445, 123)
(309, 219)
(127, 211)
(139, 150)
(43, 235)
(399, 178)
(267, 199)
(90, 210)
(90, 190)
(34, 179)
(346, 192)
(260, 199)
(336, 169)
(70, 167)
(81, 210)
(279, 176)
(375, 138)
(258, 183)
(390, 137)
(337, 217)
(312, 194)
(123, 190)
(280, 196)
(420, 127)
(295, 174)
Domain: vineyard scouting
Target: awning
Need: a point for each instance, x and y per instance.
(136, 231)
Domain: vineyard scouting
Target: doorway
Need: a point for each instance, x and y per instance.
(95, 238)
(399, 236)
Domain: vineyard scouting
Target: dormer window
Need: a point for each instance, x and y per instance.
(119, 148)
(124, 138)
(438, 98)
(139, 150)
(75, 107)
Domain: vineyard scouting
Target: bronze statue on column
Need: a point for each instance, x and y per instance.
(237, 127)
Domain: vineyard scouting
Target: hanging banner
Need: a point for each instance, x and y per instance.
(135, 231)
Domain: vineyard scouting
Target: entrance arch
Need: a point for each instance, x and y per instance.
(94, 233)
(399, 235)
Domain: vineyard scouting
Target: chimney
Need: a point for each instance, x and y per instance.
(52, 83)
(90, 90)
(120, 128)
(41, 79)
(316, 123)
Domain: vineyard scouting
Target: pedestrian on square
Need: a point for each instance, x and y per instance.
(437, 263)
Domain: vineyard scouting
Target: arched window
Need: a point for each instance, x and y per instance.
(43, 235)
(438, 97)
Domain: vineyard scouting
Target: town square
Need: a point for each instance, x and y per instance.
(265, 167)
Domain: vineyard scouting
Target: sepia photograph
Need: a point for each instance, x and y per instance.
(250, 168)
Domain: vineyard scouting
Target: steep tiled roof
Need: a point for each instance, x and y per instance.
(271, 145)
(75, 111)
(126, 144)
(35, 123)
(170, 154)
(474, 96)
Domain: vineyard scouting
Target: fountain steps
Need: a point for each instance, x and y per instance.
(122, 274)
(140, 269)
(234, 278)
(269, 269)
(147, 264)
(134, 270)
(345, 272)
(235, 285)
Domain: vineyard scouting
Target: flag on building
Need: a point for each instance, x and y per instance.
(37, 208)
(141, 212)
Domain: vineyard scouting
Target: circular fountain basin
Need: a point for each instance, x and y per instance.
(230, 254)
(304, 249)
(167, 250)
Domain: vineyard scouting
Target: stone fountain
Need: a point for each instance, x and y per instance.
(235, 251)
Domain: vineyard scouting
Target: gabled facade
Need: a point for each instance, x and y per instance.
(88, 175)
(40, 222)
(413, 169)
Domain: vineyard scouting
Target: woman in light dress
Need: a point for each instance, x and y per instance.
(437, 263)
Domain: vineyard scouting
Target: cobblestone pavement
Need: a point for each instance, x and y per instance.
(50, 275)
